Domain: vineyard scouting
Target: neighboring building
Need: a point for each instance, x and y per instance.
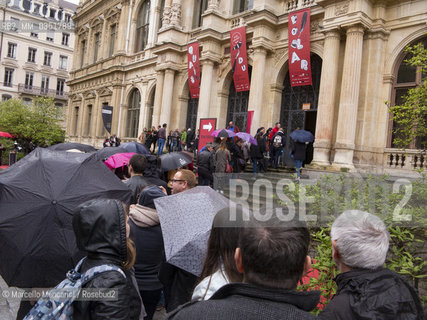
(36, 49)
(131, 54)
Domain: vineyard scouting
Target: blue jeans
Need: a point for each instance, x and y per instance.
(161, 144)
(298, 165)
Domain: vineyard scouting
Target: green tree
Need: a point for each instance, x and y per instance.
(38, 122)
(410, 118)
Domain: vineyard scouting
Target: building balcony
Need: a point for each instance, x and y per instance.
(38, 91)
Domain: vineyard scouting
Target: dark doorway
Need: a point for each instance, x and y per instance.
(193, 104)
(292, 114)
(238, 106)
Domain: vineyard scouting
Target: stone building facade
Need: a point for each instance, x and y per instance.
(36, 49)
(131, 54)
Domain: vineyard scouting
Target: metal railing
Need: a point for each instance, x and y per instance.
(39, 91)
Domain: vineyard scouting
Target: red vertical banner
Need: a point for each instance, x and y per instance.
(249, 124)
(193, 69)
(239, 59)
(299, 48)
(207, 126)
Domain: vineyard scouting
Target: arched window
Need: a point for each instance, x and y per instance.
(142, 25)
(407, 77)
(200, 7)
(133, 114)
(238, 105)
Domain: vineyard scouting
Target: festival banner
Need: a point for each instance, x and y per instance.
(299, 48)
(239, 59)
(249, 124)
(107, 117)
(193, 69)
(207, 126)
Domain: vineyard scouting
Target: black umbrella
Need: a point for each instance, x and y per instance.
(174, 160)
(72, 145)
(105, 153)
(37, 197)
(135, 147)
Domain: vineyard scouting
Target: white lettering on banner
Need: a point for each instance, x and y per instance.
(294, 31)
(190, 65)
(194, 58)
(304, 65)
(192, 79)
(240, 60)
(294, 19)
(190, 50)
(107, 111)
(296, 44)
(295, 57)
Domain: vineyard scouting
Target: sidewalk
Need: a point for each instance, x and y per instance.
(8, 307)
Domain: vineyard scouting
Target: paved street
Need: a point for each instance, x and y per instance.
(8, 307)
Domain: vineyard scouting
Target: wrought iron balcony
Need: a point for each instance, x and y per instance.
(38, 91)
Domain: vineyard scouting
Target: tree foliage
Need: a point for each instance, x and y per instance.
(410, 118)
(38, 122)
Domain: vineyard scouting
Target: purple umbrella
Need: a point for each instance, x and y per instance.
(118, 160)
(223, 133)
(247, 137)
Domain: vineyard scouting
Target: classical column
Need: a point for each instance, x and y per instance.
(142, 107)
(176, 13)
(104, 41)
(205, 89)
(154, 24)
(167, 97)
(88, 48)
(79, 123)
(97, 114)
(158, 98)
(327, 95)
(257, 87)
(350, 86)
(122, 28)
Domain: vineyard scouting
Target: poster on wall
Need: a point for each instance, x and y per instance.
(107, 117)
(299, 48)
(239, 59)
(207, 126)
(193, 69)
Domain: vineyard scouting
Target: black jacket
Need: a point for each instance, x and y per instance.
(283, 141)
(239, 301)
(257, 151)
(100, 229)
(373, 294)
(205, 160)
(299, 150)
(136, 184)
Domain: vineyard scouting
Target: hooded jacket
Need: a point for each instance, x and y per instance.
(100, 229)
(373, 294)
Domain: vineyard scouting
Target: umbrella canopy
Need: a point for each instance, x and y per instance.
(247, 137)
(38, 195)
(75, 150)
(186, 220)
(174, 160)
(302, 136)
(223, 133)
(135, 147)
(5, 134)
(118, 160)
(72, 145)
(104, 153)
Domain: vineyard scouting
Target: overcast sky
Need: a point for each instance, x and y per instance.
(74, 1)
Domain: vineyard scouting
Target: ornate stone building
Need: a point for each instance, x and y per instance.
(131, 54)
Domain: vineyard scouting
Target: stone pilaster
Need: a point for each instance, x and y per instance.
(327, 98)
(165, 115)
(257, 87)
(350, 87)
(205, 89)
(158, 98)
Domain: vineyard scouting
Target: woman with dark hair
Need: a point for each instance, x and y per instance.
(219, 268)
(102, 230)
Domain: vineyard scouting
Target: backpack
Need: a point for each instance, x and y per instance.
(56, 304)
(277, 141)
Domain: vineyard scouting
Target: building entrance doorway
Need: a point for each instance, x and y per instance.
(299, 109)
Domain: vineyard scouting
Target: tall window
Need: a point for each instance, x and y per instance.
(29, 79)
(8, 77)
(60, 84)
(50, 35)
(142, 26)
(112, 39)
(408, 77)
(133, 114)
(65, 38)
(89, 119)
(82, 54)
(162, 8)
(199, 8)
(44, 85)
(11, 50)
(32, 55)
(63, 62)
(242, 5)
(47, 61)
(95, 55)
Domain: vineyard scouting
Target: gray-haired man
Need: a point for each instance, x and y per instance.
(366, 290)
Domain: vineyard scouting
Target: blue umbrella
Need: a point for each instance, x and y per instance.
(302, 136)
(135, 147)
